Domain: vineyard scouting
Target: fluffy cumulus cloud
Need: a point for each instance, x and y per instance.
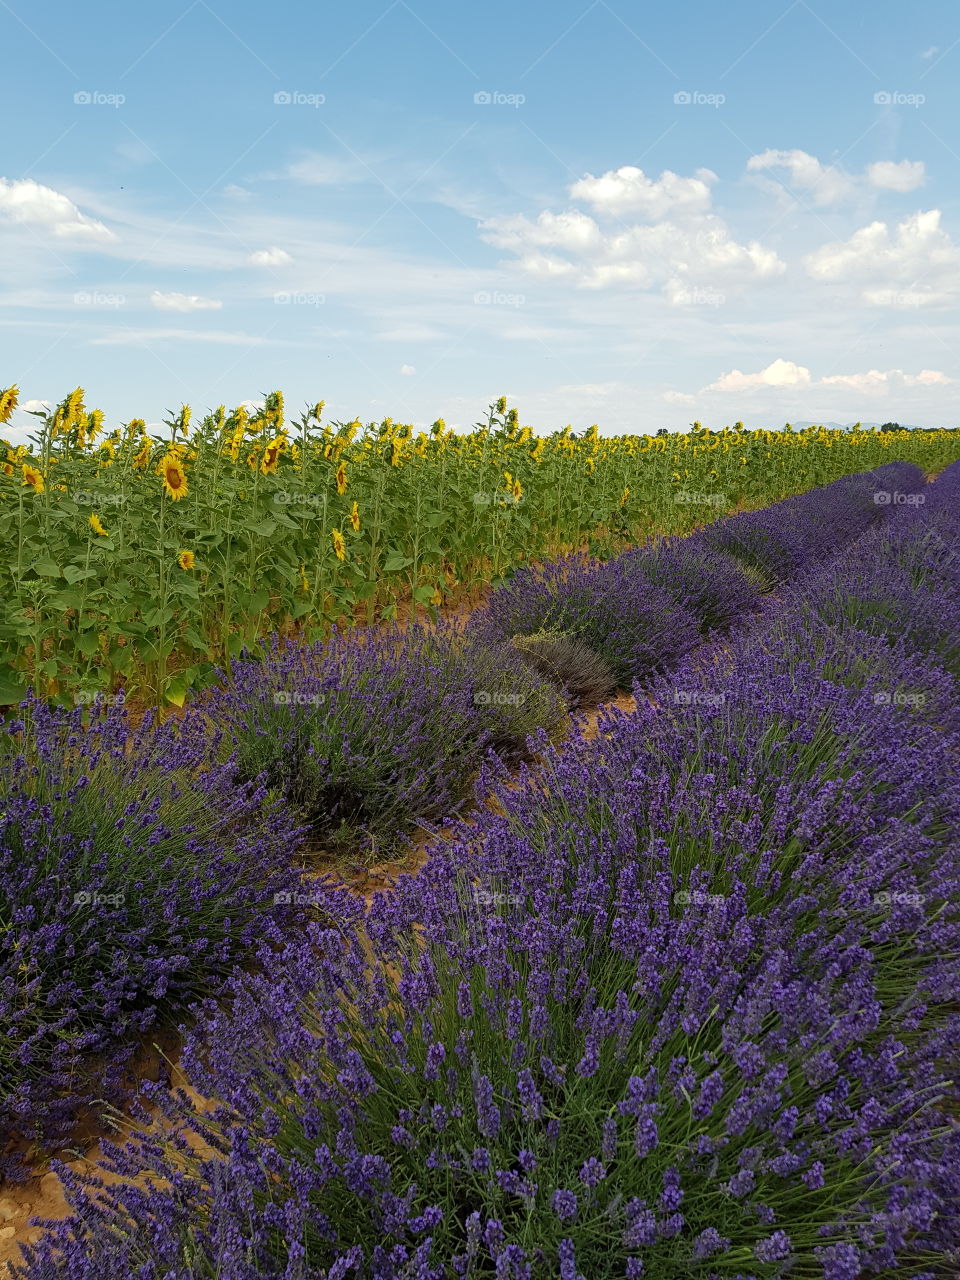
(916, 264)
(29, 203)
(787, 375)
(782, 373)
(629, 190)
(677, 244)
(183, 302)
(829, 184)
(272, 257)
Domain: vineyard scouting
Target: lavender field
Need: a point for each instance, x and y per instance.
(673, 990)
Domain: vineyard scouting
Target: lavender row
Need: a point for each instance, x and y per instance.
(681, 1003)
(641, 612)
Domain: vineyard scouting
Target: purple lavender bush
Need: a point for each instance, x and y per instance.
(634, 626)
(374, 733)
(133, 878)
(681, 1003)
(709, 584)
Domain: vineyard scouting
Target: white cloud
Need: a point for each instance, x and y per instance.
(896, 175)
(183, 302)
(673, 256)
(786, 375)
(781, 373)
(679, 397)
(146, 337)
(273, 257)
(828, 185)
(877, 382)
(33, 406)
(928, 53)
(629, 190)
(825, 184)
(407, 370)
(316, 170)
(918, 262)
(234, 192)
(26, 202)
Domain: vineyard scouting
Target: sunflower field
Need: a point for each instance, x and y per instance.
(142, 562)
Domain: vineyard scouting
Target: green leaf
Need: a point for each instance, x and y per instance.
(395, 561)
(73, 573)
(46, 569)
(259, 600)
(12, 686)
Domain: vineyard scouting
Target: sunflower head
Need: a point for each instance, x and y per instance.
(355, 518)
(32, 477)
(186, 560)
(97, 526)
(8, 402)
(339, 545)
(174, 477)
(341, 478)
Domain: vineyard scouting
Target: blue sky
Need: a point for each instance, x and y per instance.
(617, 213)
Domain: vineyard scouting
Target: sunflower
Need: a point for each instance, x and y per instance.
(339, 545)
(304, 580)
(437, 597)
(174, 477)
(7, 468)
(341, 478)
(8, 402)
(624, 496)
(142, 459)
(32, 477)
(271, 455)
(186, 560)
(355, 518)
(97, 527)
